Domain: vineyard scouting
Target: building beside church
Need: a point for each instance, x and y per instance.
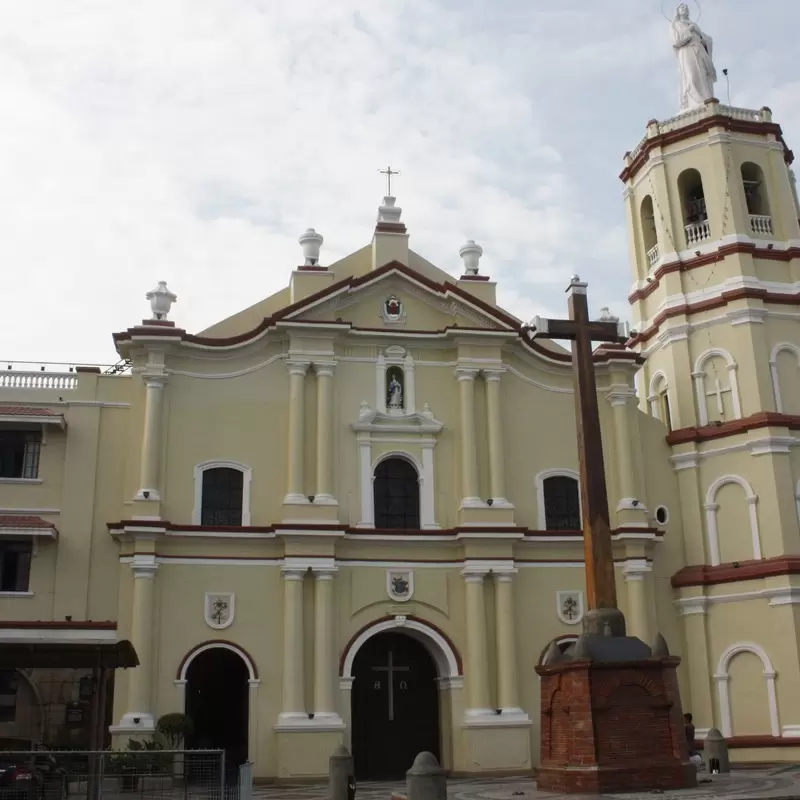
(350, 513)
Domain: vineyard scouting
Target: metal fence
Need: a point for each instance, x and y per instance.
(123, 775)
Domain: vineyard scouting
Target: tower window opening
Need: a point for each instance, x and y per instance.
(693, 206)
(755, 197)
(649, 232)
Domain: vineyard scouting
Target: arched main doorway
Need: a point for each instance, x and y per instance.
(217, 703)
(395, 706)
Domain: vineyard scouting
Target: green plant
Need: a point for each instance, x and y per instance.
(175, 728)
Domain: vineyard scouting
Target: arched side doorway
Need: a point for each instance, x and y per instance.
(217, 702)
(395, 706)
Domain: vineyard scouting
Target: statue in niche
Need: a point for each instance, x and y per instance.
(394, 391)
(694, 51)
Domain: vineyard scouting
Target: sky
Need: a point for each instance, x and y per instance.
(193, 141)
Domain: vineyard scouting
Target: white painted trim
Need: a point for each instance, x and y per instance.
(711, 508)
(438, 647)
(653, 393)
(778, 596)
(247, 480)
(33, 512)
(773, 370)
(722, 677)
(224, 375)
(66, 635)
(541, 478)
(251, 668)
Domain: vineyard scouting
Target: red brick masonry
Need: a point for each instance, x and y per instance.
(613, 727)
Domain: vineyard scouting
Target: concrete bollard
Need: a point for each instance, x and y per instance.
(341, 781)
(716, 751)
(426, 779)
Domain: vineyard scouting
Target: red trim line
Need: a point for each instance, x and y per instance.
(764, 419)
(736, 571)
(59, 625)
(741, 742)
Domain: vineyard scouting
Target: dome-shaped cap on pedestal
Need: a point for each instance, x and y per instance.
(310, 242)
(161, 300)
(471, 253)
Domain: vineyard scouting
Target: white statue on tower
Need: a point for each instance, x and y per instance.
(694, 50)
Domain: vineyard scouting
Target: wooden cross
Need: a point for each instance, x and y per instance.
(390, 669)
(388, 172)
(601, 590)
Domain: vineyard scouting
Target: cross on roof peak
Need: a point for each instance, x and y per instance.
(388, 172)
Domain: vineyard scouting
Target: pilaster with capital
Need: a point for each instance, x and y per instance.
(139, 715)
(494, 424)
(324, 472)
(324, 668)
(469, 449)
(477, 676)
(151, 437)
(507, 679)
(637, 617)
(631, 507)
(295, 488)
(293, 697)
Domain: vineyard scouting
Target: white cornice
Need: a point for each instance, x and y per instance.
(767, 445)
(778, 596)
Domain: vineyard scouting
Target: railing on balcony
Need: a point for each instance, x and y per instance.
(653, 254)
(698, 232)
(50, 375)
(761, 224)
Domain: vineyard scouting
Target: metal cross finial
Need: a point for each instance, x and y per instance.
(388, 172)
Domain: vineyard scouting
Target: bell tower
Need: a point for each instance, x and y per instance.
(715, 244)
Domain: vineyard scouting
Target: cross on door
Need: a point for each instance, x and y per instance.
(390, 670)
(717, 392)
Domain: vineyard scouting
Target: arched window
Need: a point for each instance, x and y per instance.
(659, 399)
(755, 195)
(693, 207)
(396, 493)
(649, 234)
(223, 490)
(562, 505)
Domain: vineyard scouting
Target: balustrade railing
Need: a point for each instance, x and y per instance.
(698, 232)
(653, 254)
(761, 224)
(38, 380)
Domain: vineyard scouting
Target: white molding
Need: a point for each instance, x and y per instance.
(247, 480)
(773, 370)
(777, 596)
(790, 731)
(436, 645)
(711, 508)
(251, 668)
(487, 718)
(541, 478)
(224, 375)
(66, 635)
(32, 512)
(722, 677)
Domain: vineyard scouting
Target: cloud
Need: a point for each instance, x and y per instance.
(193, 141)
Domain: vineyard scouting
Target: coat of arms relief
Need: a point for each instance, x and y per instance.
(219, 609)
(400, 585)
(569, 606)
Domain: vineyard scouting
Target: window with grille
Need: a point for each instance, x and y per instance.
(396, 492)
(15, 566)
(8, 695)
(562, 505)
(222, 497)
(19, 453)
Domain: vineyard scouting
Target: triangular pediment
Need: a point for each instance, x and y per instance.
(396, 297)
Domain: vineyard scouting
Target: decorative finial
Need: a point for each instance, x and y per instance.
(607, 316)
(575, 279)
(471, 253)
(311, 241)
(388, 211)
(161, 300)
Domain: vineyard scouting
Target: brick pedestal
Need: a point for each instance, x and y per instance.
(612, 727)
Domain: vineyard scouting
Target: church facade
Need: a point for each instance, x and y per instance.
(350, 513)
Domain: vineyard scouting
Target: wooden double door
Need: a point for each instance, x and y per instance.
(395, 711)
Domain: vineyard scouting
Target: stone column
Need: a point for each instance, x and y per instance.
(469, 450)
(324, 487)
(477, 654)
(295, 489)
(294, 704)
(324, 669)
(139, 715)
(699, 666)
(151, 438)
(494, 421)
(636, 616)
(507, 682)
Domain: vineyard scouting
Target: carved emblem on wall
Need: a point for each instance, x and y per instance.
(392, 311)
(569, 607)
(219, 609)
(400, 584)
